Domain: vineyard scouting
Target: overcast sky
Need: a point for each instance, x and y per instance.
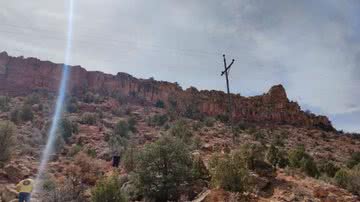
(311, 47)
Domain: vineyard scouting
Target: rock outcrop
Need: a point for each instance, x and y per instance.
(19, 76)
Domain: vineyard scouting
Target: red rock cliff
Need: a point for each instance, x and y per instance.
(19, 76)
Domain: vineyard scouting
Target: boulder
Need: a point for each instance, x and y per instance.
(320, 193)
(15, 173)
(8, 193)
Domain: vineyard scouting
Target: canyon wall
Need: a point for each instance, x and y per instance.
(21, 76)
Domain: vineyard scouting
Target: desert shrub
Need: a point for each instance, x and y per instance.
(132, 124)
(192, 111)
(32, 99)
(328, 168)
(157, 120)
(85, 169)
(342, 177)
(298, 158)
(276, 157)
(108, 190)
(160, 104)
(26, 113)
(181, 131)
(122, 129)
(89, 118)
(209, 121)
(284, 160)
(91, 152)
(118, 144)
(163, 168)
(251, 153)
(354, 160)
(278, 140)
(49, 184)
(70, 190)
(196, 142)
(258, 135)
(241, 126)
(66, 129)
(229, 172)
(296, 155)
(74, 150)
(6, 140)
(199, 170)
(272, 155)
(4, 103)
(92, 98)
(15, 115)
(309, 166)
(224, 118)
(119, 140)
(349, 179)
(197, 125)
(72, 105)
(130, 158)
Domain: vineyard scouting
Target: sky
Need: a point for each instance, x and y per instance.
(311, 47)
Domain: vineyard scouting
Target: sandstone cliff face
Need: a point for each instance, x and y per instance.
(19, 76)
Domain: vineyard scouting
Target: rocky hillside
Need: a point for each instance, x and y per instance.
(280, 153)
(21, 76)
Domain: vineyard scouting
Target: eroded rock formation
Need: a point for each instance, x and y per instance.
(19, 76)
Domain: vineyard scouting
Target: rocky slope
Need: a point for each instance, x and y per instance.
(272, 115)
(20, 76)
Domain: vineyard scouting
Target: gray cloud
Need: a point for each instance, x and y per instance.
(312, 47)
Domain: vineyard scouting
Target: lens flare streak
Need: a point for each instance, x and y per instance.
(59, 102)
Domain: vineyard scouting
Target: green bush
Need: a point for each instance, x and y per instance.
(296, 155)
(273, 155)
(91, 152)
(229, 172)
(66, 129)
(349, 179)
(132, 124)
(108, 190)
(4, 103)
(15, 115)
(199, 170)
(209, 121)
(122, 129)
(75, 150)
(251, 153)
(163, 167)
(309, 166)
(197, 125)
(160, 104)
(283, 161)
(259, 136)
(32, 99)
(298, 158)
(278, 140)
(224, 118)
(6, 140)
(129, 159)
(354, 160)
(26, 113)
(181, 131)
(157, 120)
(72, 105)
(342, 177)
(328, 168)
(89, 118)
